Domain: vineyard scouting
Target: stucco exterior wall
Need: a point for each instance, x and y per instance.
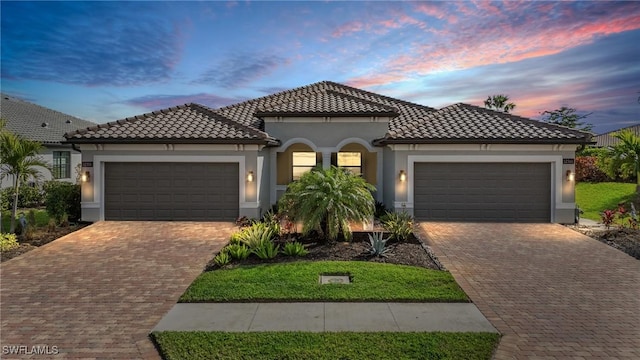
(47, 155)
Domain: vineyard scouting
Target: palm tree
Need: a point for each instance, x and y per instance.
(327, 200)
(626, 154)
(19, 159)
(499, 103)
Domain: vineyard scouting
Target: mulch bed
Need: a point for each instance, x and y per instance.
(39, 237)
(411, 252)
(624, 239)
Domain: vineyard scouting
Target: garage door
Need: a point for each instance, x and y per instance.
(171, 191)
(500, 192)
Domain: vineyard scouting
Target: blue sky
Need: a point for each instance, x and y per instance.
(103, 61)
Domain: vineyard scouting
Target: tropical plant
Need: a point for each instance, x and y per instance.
(19, 159)
(499, 103)
(266, 250)
(567, 116)
(626, 155)
(326, 200)
(378, 244)
(222, 259)
(8, 242)
(294, 249)
(255, 235)
(398, 224)
(238, 251)
(272, 220)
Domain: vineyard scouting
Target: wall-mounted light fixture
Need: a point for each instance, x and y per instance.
(403, 176)
(86, 176)
(570, 175)
(250, 176)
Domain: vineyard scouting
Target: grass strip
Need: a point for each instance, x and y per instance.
(298, 281)
(343, 345)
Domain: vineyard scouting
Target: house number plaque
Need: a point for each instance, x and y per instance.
(87, 164)
(567, 161)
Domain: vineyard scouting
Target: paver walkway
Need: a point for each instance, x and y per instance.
(98, 292)
(325, 316)
(552, 292)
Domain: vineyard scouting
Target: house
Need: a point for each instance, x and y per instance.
(607, 139)
(48, 127)
(459, 163)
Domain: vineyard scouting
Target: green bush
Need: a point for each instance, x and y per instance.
(327, 200)
(238, 251)
(28, 197)
(256, 234)
(8, 242)
(294, 249)
(266, 250)
(399, 225)
(62, 198)
(222, 259)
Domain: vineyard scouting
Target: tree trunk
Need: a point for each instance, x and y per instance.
(14, 211)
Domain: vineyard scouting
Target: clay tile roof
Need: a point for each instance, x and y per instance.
(191, 123)
(464, 123)
(248, 112)
(328, 103)
(38, 123)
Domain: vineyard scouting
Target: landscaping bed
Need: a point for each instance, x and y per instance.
(410, 252)
(624, 239)
(39, 237)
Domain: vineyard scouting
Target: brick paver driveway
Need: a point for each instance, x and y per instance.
(97, 293)
(552, 292)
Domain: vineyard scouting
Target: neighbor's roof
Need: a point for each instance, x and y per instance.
(38, 123)
(190, 123)
(607, 139)
(464, 123)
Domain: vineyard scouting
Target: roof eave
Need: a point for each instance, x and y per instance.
(388, 141)
(268, 142)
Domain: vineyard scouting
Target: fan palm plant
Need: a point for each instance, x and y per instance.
(19, 159)
(626, 154)
(327, 200)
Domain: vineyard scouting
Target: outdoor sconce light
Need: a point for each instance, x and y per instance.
(86, 176)
(250, 176)
(403, 176)
(570, 175)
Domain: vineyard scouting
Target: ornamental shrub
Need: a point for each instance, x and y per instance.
(587, 170)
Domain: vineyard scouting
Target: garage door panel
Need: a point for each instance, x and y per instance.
(171, 191)
(517, 192)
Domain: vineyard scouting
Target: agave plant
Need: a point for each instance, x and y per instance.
(378, 244)
(326, 200)
(256, 234)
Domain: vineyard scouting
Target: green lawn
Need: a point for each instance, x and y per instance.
(595, 198)
(42, 218)
(298, 281)
(344, 345)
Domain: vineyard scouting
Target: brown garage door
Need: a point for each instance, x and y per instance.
(171, 191)
(500, 192)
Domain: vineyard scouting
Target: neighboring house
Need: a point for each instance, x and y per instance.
(459, 163)
(48, 127)
(607, 139)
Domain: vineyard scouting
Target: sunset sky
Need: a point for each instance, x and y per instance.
(103, 61)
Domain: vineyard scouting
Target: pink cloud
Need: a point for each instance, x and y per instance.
(347, 28)
(437, 11)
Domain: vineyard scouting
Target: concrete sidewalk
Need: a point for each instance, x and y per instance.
(325, 316)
